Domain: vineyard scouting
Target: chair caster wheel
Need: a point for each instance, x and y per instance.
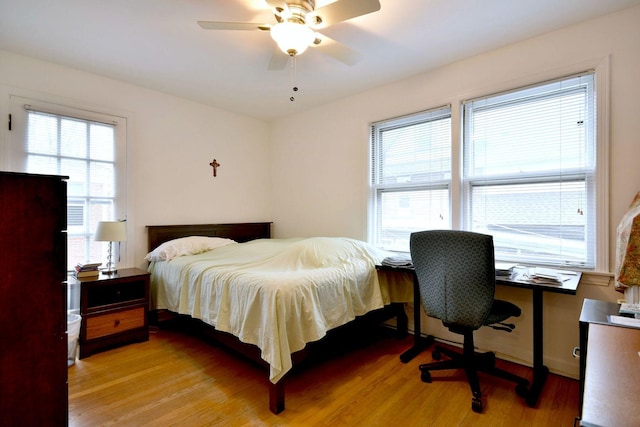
(436, 355)
(521, 389)
(476, 405)
(531, 401)
(425, 376)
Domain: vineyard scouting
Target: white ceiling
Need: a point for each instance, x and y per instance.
(157, 44)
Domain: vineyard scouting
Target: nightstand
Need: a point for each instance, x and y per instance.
(114, 310)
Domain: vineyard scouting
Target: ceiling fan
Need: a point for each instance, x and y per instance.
(296, 25)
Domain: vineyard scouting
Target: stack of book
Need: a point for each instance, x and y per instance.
(87, 271)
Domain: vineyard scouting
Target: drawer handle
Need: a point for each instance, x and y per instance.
(116, 323)
(576, 352)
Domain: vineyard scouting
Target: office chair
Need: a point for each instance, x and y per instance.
(456, 277)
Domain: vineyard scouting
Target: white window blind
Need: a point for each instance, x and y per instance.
(529, 172)
(410, 177)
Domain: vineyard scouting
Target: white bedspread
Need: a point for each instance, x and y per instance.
(278, 294)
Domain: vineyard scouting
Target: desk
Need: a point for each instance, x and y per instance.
(612, 382)
(517, 279)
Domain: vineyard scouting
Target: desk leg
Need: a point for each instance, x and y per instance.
(419, 342)
(402, 321)
(540, 371)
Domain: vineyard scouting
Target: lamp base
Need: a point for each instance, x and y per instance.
(111, 266)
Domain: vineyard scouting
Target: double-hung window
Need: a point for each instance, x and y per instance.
(410, 177)
(529, 175)
(87, 147)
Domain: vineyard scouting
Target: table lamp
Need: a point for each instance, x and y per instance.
(111, 231)
(628, 253)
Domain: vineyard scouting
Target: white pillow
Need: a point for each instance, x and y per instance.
(186, 246)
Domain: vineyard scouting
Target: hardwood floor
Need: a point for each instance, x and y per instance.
(176, 379)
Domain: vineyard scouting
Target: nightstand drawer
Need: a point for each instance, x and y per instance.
(115, 293)
(113, 323)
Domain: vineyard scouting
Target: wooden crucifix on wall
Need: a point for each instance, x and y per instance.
(215, 165)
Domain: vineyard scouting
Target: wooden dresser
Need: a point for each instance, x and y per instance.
(33, 319)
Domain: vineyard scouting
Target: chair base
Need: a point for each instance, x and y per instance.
(472, 363)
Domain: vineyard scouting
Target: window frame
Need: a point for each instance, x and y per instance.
(17, 155)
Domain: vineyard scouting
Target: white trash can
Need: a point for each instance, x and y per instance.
(73, 333)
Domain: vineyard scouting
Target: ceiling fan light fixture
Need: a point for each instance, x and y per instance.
(292, 38)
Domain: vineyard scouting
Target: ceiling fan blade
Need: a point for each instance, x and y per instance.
(335, 49)
(341, 10)
(278, 60)
(242, 26)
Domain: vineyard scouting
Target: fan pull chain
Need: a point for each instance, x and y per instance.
(293, 77)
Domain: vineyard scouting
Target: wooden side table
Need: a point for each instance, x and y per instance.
(114, 310)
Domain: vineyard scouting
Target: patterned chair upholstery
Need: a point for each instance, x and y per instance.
(456, 277)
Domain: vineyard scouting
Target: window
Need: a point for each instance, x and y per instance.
(410, 176)
(89, 149)
(532, 167)
(529, 174)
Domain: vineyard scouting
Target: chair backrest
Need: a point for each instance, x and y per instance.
(456, 275)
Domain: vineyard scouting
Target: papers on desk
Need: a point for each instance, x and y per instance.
(504, 268)
(548, 276)
(397, 261)
(545, 276)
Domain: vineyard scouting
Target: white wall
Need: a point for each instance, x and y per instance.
(171, 142)
(320, 157)
(318, 163)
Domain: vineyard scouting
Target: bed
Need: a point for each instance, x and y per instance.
(267, 298)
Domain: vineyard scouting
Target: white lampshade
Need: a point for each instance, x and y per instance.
(292, 38)
(111, 231)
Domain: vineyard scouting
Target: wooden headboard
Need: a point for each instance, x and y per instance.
(240, 232)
